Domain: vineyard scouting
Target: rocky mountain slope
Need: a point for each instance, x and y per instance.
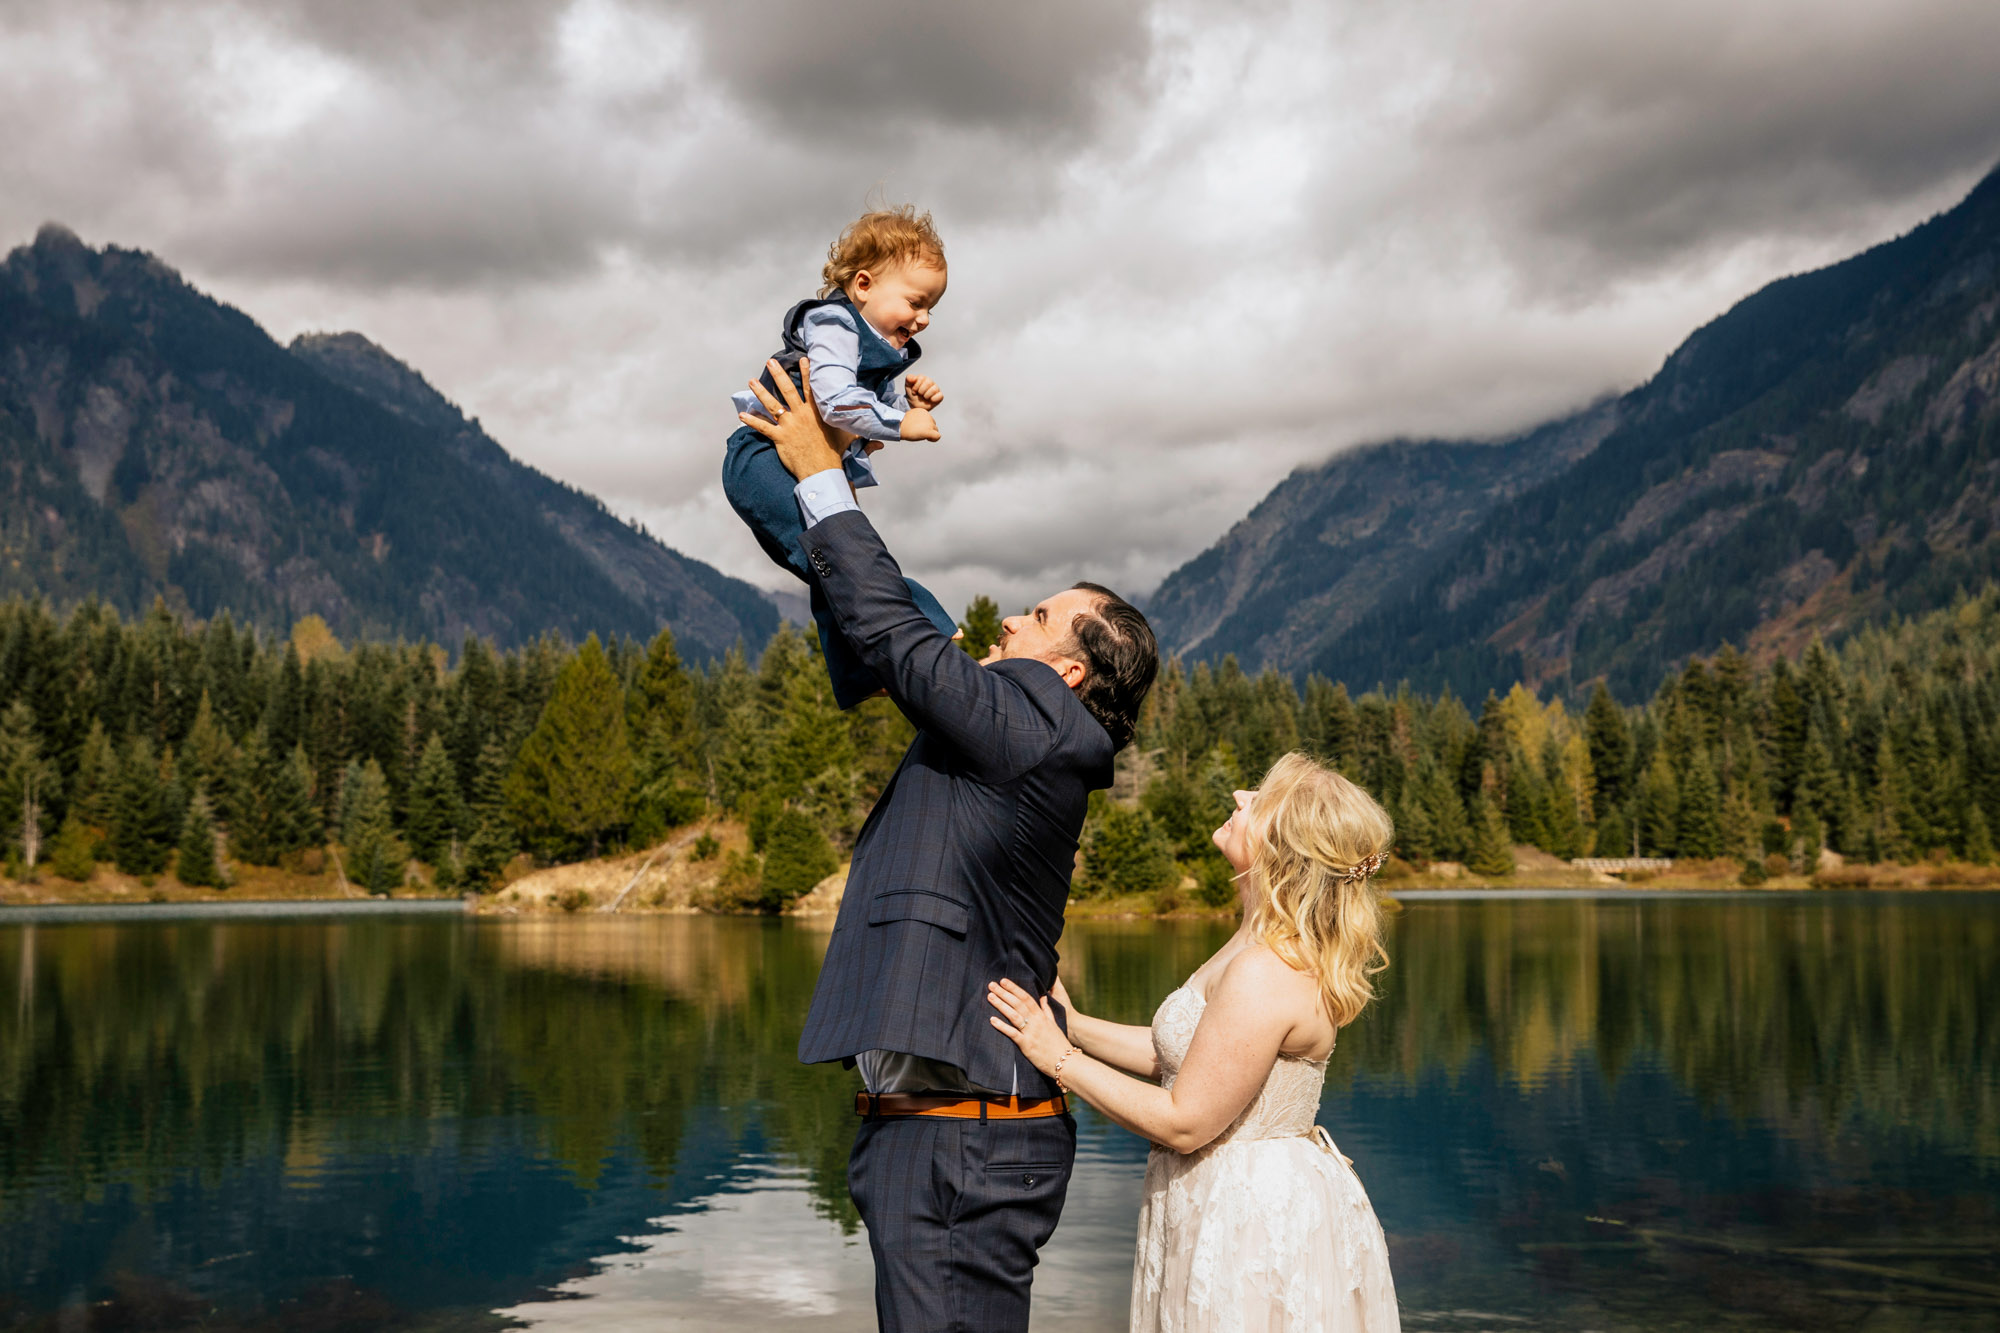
(1327, 545)
(1825, 453)
(154, 442)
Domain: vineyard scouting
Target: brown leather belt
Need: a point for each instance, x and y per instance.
(875, 1105)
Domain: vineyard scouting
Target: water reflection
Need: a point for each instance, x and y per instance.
(416, 1125)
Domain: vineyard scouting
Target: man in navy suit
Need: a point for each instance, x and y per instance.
(960, 878)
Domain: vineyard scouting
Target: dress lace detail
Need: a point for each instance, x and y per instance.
(1266, 1228)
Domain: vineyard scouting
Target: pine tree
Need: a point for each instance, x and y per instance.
(1610, 747)
(1415, 841)
(1124, 852)
(1613, 835)
(1335, 728)
(1526, 798)
(1787, 728)
(72, 855)
(1978, 838)
(298, 822)
(1808, 837)
(981, 626)
(665, 735)
(1451, 833)
(207, 756)
(1698, 825)
(142, 833)
(796, 857)
(475, 706)
(492, 844)
(1174, 801)
(271, 811)
(1657, 812)
(1491, 855)
(1741, 825)
(435, 815)
(197, 863)
(375, 857)
(571, 781)
(94, 794)
(285, 709)
(1817, 784)
(1891, 831)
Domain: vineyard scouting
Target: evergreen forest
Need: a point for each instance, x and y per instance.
(162, 744)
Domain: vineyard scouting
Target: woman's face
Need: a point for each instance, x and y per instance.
(1236, 835)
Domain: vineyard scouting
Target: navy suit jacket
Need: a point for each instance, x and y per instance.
(962, 871)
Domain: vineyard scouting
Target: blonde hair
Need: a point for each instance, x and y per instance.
(878, 238)
(1317, 840)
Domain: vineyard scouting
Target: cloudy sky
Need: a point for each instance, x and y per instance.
(1192, 245)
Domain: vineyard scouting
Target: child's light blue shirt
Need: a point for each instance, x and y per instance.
(833, 343)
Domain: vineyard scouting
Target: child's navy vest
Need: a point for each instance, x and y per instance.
(879, 363)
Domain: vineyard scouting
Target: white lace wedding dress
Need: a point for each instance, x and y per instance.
(1266, 1228)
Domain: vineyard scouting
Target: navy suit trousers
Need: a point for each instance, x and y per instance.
(957, 1212)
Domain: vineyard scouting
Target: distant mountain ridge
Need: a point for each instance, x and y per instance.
(156, 442)
(1329, 542)
(1824, 453)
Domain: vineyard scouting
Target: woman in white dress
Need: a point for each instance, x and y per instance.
(1252, 1221)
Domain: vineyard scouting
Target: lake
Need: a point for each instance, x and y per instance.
(1745, 1113)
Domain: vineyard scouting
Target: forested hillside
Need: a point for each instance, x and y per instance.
(155, 443)
(1886, 750)
(156, 744)
(1825, 453)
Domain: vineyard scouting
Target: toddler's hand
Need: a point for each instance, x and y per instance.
(923, 391)
(918, 424)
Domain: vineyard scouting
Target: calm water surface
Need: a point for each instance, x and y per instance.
(1770, 1114)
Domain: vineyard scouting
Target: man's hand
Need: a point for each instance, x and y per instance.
(805, 443)
(923, 392)
(919, 425)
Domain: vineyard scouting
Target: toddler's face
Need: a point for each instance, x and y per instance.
(897, 301)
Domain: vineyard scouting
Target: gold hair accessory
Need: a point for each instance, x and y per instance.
(1363, 868)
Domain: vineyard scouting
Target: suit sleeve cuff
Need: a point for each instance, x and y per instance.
(823, 495)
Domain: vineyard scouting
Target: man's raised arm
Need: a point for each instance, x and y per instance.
(983, 714)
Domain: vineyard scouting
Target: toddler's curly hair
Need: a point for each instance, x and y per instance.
(877, 238)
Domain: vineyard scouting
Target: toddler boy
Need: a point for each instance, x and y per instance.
(880, 282)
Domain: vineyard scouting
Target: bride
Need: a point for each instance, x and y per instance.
(1251, 1219)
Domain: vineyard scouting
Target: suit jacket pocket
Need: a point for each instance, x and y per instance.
(919, 905)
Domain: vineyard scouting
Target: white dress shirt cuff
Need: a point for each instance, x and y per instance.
(824, 494)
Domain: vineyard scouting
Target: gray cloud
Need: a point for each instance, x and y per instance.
(1193, 244)
(870, 72)
(1612, 142)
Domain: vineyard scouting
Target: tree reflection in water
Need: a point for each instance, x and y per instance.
(431, 1120)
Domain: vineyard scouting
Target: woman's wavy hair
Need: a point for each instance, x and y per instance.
(876, 239)
(1317, 839)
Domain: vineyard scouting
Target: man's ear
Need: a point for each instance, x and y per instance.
(1071, 671)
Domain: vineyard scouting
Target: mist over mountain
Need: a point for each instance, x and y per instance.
(157, 443)
(1822, 455)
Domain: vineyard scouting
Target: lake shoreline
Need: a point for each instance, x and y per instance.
(59, 911)
(250, 909)
(682, 877)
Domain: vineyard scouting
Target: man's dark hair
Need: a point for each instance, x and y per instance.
(1120, 657)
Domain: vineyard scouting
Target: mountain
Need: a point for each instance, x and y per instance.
(1822, 455)
(157, 443)
(1330, 542)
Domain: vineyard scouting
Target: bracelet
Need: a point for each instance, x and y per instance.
(1056, 1073)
